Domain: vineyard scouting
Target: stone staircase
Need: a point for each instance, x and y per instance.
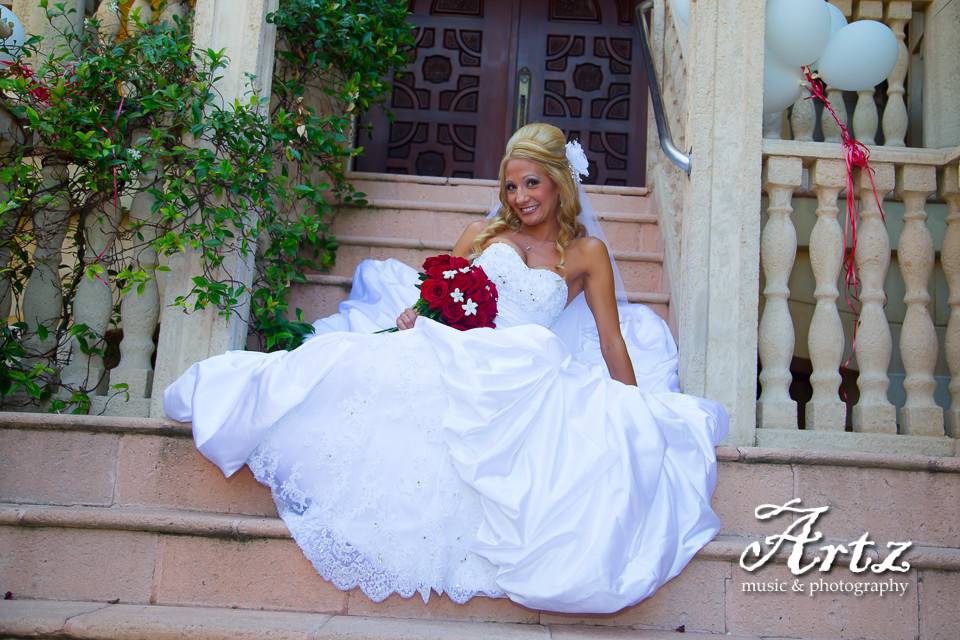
(118, 528)
(412, 217)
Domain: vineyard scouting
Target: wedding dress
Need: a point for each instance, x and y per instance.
(501, 462)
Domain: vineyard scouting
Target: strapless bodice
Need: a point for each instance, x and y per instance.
(526, 295)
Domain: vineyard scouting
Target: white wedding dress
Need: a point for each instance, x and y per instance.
(503, 462)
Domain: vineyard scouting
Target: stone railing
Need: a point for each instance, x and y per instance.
(54, 227)
(920, 194)
(183, 338)
(891, 114)
(866, 374)
(669, 58)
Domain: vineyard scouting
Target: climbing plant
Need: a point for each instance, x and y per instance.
(99, 127)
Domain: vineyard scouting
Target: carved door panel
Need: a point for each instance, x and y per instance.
(586, 77)
(450, 104)
(457, 101)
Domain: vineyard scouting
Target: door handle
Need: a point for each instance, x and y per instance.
(523, 96)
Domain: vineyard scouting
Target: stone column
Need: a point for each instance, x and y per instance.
(94, 299)
(865, 116)
(831, 130)
(139, 311)
(825, 341)
(899, 13)
(918, 339)
(941, 74)
(241, 29)
(35, 22)
(720, 253)
(778, 248)
(43, 295)
(803, 118)
(873, 412)
(950, 258)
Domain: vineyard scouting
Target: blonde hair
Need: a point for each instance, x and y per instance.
(544, 144)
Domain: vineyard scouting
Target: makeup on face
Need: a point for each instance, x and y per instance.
(530, 191)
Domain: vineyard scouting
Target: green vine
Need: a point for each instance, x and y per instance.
(100, 128)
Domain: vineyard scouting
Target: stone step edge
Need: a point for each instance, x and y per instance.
(100, 620)
(439, 245)
(479, 209)
(725, 453)
(345, 282)
(373, 176)
(245, 528)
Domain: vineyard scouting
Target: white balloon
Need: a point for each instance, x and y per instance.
(782, 84)
(837, 19)
(797, 30)
(859, 56)
(13, 42)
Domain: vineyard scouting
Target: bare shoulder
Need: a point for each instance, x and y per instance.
(588, 251)
(465, 243)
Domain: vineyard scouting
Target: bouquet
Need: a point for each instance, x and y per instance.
(455, 293)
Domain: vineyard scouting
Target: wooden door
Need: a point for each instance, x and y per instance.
(449, 103)
(586, 77)
(457, 101)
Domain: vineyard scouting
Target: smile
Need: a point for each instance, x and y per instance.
(530, 209)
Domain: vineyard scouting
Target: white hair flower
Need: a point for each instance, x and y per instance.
(579, 166)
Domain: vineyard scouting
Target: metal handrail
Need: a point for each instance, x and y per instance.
(677, 157)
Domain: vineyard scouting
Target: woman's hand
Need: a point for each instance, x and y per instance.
(407, 319)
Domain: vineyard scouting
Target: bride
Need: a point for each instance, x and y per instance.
(551, 460)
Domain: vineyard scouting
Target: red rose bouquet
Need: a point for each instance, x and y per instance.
(455, 293)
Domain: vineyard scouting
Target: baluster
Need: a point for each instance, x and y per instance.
(94, 300)
(899, 13)
(865, 117)
(139, 312)
(803, 118)
(9, 136)
(950, 259)
(773, 125)
(918, 339)
(831, 131)
(145, 10)
(108, 15)
(173, 8)
(778, 248)
(825, 341)
(42, 298)
(873, 412)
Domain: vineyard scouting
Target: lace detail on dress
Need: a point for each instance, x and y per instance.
(526, 295)
(366, 486)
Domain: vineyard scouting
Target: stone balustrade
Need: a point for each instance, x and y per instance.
(898, 334)
(95, 299)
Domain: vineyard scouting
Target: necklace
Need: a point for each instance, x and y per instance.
(530, 246)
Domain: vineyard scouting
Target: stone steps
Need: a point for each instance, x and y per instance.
(98, 509)
(412, 217)
(97, 620)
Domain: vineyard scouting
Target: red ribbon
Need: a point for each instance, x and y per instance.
(855, 154)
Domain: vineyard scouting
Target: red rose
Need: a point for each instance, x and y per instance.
(456, 262)
(434, 292)
(441, 262)
(452, 311)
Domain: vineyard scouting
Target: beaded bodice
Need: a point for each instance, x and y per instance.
(526, 295)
